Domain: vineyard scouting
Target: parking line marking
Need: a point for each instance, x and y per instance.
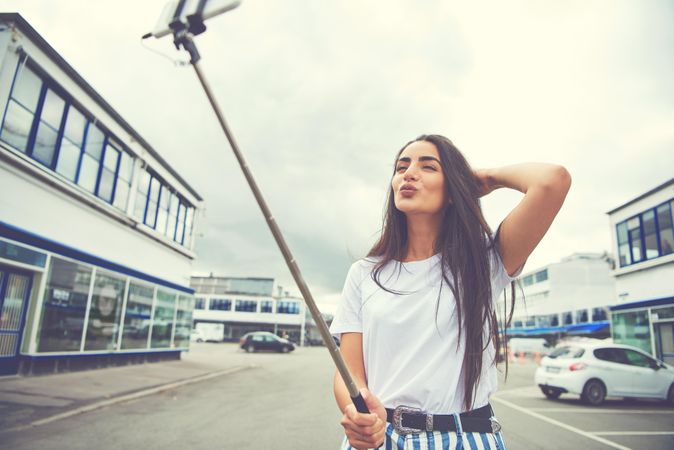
(601, 411)
(561, 424)
(633, 433)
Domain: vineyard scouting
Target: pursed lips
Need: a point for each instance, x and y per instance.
(407, 187)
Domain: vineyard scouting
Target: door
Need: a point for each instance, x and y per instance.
(14, 292)
(648, 381)
(614, 370)
(665, 341)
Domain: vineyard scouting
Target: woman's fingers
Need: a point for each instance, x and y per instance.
(363, 430)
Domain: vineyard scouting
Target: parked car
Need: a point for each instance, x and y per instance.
(264, 340)
(596, 370)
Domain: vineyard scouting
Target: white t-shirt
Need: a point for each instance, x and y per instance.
(410, 357)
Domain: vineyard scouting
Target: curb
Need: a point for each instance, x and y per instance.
(128, 397)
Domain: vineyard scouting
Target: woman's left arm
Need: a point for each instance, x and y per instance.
(544, 186)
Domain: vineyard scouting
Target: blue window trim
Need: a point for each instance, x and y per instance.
(101, 161)
(59, 135)
(30, 146)
(11, 89)
(114, 180)
(82, 147)
(642, 238)
(20, 235)
(665, 301)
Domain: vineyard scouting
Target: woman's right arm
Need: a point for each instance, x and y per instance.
(362, 430)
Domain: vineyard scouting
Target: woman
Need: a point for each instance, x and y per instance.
(417, 319)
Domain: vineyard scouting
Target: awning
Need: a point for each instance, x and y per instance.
(580, 328)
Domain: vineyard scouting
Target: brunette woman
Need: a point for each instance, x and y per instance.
(417, 320)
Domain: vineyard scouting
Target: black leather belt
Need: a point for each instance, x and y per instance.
(407, 420)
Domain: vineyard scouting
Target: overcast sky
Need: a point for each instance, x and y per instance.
(321, 95)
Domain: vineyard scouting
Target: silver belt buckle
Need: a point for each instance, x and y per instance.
(398, 419)
(495, 425)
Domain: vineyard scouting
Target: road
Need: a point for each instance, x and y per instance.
(285, 402)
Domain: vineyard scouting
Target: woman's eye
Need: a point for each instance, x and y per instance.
(401, 168)
(430, 167)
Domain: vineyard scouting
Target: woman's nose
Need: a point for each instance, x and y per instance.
(411, 174)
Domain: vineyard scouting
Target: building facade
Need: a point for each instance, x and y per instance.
(569, 297)
(643, 238)
(226, 308)
(95, 227)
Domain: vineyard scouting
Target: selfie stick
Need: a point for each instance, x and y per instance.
(183, 37)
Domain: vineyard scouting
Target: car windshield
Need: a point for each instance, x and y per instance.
(566, 352)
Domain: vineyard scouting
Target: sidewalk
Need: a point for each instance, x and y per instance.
(29, 401)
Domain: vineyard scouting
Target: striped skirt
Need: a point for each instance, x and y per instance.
(437, 440)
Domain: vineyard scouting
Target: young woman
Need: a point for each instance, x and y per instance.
(417, 320)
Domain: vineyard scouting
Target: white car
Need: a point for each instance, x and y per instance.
(596, 370)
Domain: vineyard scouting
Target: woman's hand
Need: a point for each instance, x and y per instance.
(365, 430)
(486, 181)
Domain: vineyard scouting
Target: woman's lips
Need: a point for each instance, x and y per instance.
(408, 192)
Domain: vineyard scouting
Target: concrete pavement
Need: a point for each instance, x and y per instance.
(31, 401)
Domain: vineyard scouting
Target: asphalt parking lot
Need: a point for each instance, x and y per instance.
(531, 421)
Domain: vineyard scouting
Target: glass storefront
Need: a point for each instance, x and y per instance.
(632, 328)
(75, 294)
(138, 316)
(105, 312)
(65, 305)
(162, 323)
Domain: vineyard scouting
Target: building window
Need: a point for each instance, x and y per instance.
(220, 304)
(267, 306)
(21, 109)
(105, 312)
(246, 306)
(581, 316)
(542, 275)
(285, 307)
(181, 338)
(528, 280)
(646, 236)
(162, 322)
(665, 228)
(632, 328)
(599, 314)
(567, 318)
(65, 304)
(138, 316)
(199, 303)
(42, 122)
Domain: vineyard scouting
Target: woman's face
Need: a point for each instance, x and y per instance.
(418, 183)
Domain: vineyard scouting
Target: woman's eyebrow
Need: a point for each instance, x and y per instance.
(407, 159)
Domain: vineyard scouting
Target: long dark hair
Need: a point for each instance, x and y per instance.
(463, 242)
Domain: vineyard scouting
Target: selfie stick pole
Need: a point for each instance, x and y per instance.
(185, 40)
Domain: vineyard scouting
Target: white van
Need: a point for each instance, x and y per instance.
(529, 346)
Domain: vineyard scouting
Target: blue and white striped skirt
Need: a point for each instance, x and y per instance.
(437, 440)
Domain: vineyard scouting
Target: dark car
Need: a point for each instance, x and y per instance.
(264, 340)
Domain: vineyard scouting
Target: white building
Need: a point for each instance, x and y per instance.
(643, 239)
(95, 227)
(226, 308)
(571, 296)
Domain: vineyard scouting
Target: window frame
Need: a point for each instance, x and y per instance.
(642, 235)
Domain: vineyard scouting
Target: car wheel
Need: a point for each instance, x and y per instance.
(552, 394)
(285, 349)
(250, 348)
(670, 396)
(594, 393)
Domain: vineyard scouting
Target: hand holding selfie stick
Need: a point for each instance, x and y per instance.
(184, 21)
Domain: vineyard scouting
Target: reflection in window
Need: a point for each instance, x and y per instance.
(91, 158)
(631, 328)
(138, 316)
(124, 177)
(581, 316)
(162, 325)
(220, 304)
(567, 318)
(246, 306)
(105, 311)
(267, 306)
(665, 225)
(65, 303)
(650, 234)
(48, 128)
(199, 303)
(141, 195)
(21, 109)
(153, 200)
(71, 144)
(623, 245)
(183, 321)
(106, 183)
(599, 314)
(284, 307)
